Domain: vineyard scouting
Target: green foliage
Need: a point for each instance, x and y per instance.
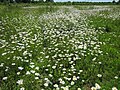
(74, 43)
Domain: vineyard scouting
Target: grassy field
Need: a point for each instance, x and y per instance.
(50, 47)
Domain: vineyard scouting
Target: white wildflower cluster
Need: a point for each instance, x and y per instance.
(97, 87)
(52, 49)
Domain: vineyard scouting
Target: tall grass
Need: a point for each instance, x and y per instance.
(59, 47)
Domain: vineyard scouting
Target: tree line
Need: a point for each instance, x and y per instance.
(26, 1)
(60, 3)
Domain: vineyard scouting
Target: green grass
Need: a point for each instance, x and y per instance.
(79, 44)
(111, 35)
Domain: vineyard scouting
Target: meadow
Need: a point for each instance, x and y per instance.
(59, 47)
